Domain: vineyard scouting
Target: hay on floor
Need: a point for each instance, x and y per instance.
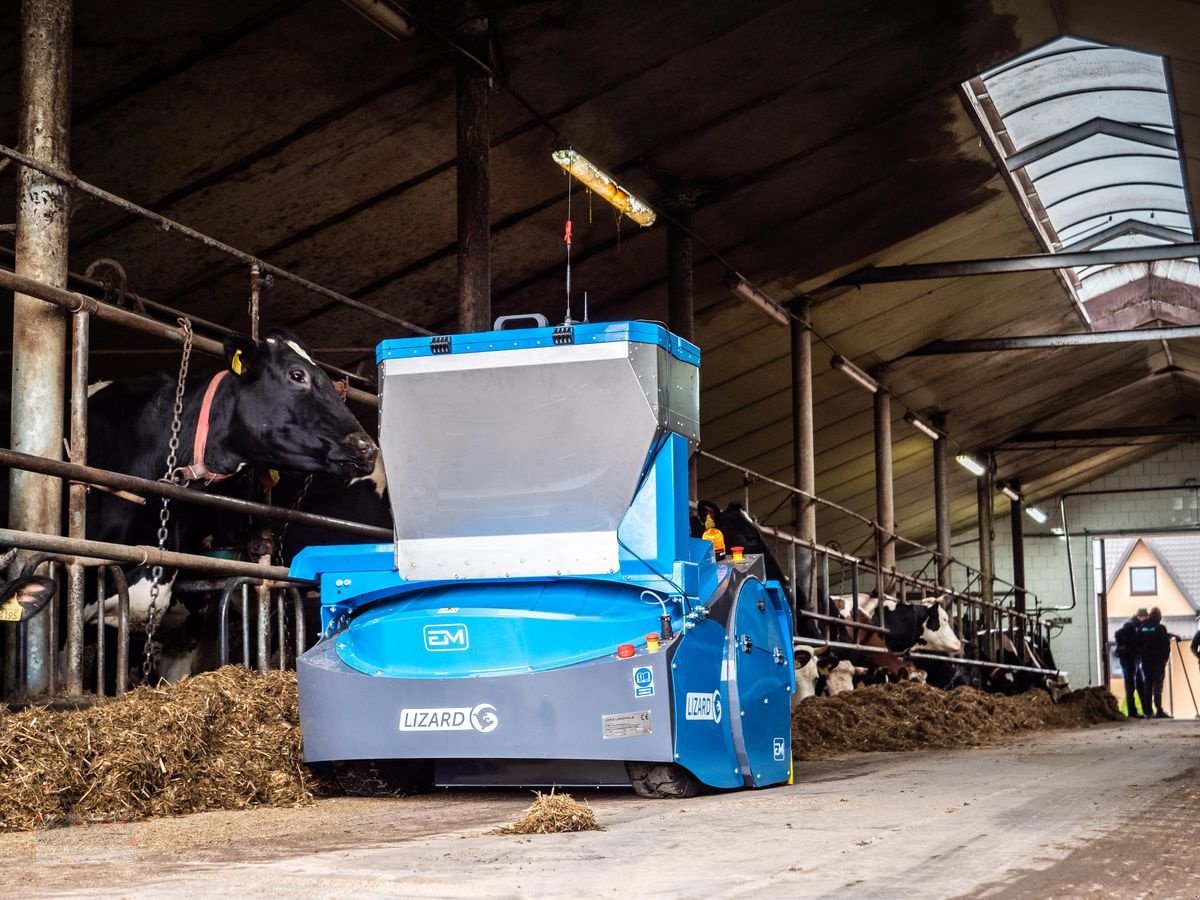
(911, 716)
(552, 814)
(222, 740)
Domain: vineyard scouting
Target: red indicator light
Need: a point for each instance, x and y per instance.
(625, 651)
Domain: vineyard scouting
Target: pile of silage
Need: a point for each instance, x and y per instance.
(228, 739)
(911, 716)
(553, 814)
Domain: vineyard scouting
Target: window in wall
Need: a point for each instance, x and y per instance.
(1143, 580)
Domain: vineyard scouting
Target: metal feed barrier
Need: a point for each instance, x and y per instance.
(983, 625)
(69, 556)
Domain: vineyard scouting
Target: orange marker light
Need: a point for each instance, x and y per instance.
(624, 651)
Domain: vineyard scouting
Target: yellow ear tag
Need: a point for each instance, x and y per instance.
(274, 473)
(236, 363)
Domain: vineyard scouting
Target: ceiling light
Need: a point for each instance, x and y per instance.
(1008, 492)
(928, 430)
(854, 373)
(971, 464)
(606, 186)
(1036, 514)
(750, 293)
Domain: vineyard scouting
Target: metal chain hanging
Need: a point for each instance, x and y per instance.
(164, 515)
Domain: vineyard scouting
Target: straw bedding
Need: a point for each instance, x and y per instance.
(222, 740)
(910, 716)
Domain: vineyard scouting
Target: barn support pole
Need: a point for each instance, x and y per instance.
(985, 491)
(474, 180)
(804, 467)
(1018, 551)
(885, 510)
(1102, 618)
(77, 500)
(941, 503)
(39, 330)
(681, 297)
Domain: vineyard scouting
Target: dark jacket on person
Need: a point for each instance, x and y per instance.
(1126, 641)
(1153, 644)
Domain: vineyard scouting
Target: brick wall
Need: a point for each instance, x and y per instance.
(1115, 512)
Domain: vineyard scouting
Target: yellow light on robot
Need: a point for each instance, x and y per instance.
(605, 186)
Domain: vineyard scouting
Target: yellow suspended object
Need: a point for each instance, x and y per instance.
(606, 186)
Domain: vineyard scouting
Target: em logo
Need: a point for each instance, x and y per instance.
(446, 637)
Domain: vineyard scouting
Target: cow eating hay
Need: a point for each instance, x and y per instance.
(228, 739)
(911, 716)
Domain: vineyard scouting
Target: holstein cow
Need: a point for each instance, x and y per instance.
(270, 407)
(821, 673)
(1036, 654)
(924, 627)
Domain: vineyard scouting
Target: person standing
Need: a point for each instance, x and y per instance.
(1153, 645)
(1131, 671)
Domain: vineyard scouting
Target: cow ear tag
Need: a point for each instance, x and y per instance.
(236, 363)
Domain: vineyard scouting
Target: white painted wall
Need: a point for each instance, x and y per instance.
(1111, 513)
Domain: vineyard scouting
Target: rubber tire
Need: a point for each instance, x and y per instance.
(662, 781)
(383, 777)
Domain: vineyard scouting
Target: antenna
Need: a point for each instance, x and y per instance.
(585, 318)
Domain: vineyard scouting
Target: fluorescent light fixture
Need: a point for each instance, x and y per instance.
(751, 294)
(854, 373)
(1008, 492)
(1037, 515)
(971, 464)
(928, 430)
(605, 185)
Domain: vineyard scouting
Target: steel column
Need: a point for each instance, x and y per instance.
(1105, 662)
(804, 468)
(77, 499)
(1017, 521)
(885, 511)
(941, 504)
(39, 332)
(985, 496)
(474, 184)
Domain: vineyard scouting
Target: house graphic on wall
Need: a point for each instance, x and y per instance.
(1162, 571)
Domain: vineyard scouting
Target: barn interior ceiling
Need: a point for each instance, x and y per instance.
(804, 140)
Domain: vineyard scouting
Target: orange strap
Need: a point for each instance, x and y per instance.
(198, 469)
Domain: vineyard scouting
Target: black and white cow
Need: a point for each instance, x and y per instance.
(270, 407)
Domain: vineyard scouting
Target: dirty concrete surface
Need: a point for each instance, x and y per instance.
(1102, 812)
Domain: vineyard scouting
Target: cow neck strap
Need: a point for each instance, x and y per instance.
(199, 470)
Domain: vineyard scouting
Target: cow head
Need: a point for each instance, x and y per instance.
(937, 634)
(287, 413)
(24, 598)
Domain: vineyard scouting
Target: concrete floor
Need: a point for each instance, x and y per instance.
(1106, 812)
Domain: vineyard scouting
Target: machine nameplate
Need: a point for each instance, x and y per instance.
(631, 724)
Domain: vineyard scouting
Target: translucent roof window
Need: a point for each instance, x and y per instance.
(1089, 138)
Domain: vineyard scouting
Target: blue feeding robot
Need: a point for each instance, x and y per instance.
(544, 616)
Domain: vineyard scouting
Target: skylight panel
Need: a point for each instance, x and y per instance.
(1087, 134)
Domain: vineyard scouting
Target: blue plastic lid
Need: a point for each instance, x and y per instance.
(527, 338)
